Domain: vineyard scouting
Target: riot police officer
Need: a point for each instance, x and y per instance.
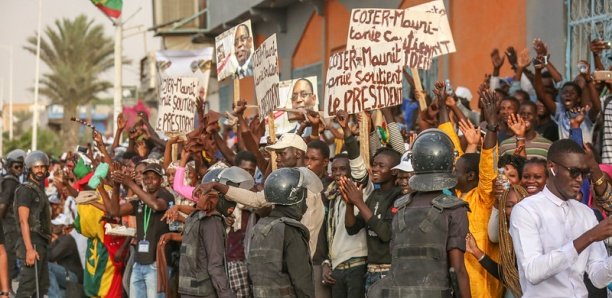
(34, 220)
(10, 182)
(429, 228)
(274, 271)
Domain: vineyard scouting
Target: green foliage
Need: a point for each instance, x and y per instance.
(77, 52)
(48, 141)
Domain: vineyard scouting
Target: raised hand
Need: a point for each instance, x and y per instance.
(517, 124)
(597, 46)
(343, 119)
(97, 137)
(489, 99)
(497, 60)
(576, 116)
(540, 47)
(511, 55)
(471, 133)
(121, 122)
(240, 107)
(313, 117)
(524, 59)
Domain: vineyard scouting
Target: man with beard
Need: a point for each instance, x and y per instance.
(243, 44)
(34, 220)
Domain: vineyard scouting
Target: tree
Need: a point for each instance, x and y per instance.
(77, 52)
(48, 142)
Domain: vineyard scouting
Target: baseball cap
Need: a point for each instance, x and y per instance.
(62, 220)
(463, 92)
(154, 167)
(288, 140)
(405, 165)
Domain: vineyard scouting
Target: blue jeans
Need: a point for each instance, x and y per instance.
(143, 282)
(372, 277)
(57, 280)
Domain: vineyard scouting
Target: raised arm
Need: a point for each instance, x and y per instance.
(538, 85)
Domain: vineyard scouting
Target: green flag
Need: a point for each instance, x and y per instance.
(111, 8)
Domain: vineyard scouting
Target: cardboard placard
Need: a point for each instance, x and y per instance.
(191, 63)
(265, 74)
(415, 33)
(234, 52)
(304, 91)
(363, 79)
(445, 36)
(177, 104)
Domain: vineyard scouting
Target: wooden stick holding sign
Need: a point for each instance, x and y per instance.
(272, 134)
(418, 92)
(236, 90)
(364, 138)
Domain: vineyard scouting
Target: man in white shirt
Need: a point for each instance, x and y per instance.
(556, 238)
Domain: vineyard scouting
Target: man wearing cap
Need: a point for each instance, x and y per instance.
(404, 172)
(149, 209)
(290, 151)
(429, 228)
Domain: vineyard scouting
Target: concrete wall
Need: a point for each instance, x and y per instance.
(547, 20)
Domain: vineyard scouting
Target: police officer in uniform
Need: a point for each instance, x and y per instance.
(428, 229)
(10, 182)
(279, 262)
(34, 221)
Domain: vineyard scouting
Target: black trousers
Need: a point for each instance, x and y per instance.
(27, 276)
(349, 282)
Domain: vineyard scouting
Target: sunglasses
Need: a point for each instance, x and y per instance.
(575, 172)
(17, 167)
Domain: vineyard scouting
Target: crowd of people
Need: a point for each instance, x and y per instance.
(507, 200)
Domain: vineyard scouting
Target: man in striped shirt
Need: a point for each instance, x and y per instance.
(535, 144)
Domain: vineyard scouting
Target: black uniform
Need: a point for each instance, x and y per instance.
(9, 223)
(32, 196)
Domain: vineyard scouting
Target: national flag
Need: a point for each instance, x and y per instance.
(111, 8)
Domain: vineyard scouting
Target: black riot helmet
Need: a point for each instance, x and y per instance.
(285, 187)
(433, 157)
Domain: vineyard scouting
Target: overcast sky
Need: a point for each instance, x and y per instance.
(19, 20)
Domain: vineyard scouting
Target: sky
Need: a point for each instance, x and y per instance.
(19, 21)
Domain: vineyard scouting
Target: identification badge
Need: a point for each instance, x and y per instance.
(143, 246)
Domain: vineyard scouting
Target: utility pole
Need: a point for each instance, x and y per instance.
(117, 106)
(37, 74)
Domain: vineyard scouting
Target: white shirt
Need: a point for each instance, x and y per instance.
(543, 228)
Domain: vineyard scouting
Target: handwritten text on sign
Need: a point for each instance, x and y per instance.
(365, 78)
(414, 31)
(265, 73)
(177, 104)
(445, 36)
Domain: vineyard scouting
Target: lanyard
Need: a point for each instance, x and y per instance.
(146, 218)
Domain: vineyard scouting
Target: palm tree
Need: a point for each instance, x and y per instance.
(77, 52)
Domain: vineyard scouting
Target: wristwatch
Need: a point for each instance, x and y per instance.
(492, 127)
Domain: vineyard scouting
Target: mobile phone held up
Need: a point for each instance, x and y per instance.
(602, 75)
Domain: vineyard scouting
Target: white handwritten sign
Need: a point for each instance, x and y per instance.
(177, 104)
(416, 33)
(265, 74)
(445, 36)
(364, 78)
